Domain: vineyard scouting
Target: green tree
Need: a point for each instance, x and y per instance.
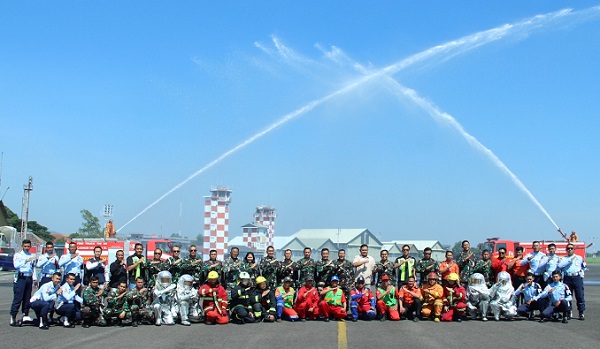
(90, 228)
(175, 235)
(32, 226)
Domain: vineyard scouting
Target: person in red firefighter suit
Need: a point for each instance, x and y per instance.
(387, 300)
(362, 302)
(454, 299)
(307, 300)
(215, 300)
(334, 301)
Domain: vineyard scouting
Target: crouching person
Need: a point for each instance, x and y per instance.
(215, 300)
(362, 302)
(187, 299)
(140, 303)
(285, 300)
(410, 298)
(559, 297)
(164, 296)
(264, 302)
(529, 289)
(334, 301)
(454, 300)
(93, 297)
(502, 296)
(43, 300)
(117, 309)
(387, 300)
(239, 306)
(307, 302)
(433, 298)
(66, 302)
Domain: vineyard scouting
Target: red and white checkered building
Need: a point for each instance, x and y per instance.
(216, 221)
(255, 236)
(265, 216)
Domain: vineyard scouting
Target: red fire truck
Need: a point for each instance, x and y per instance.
(110, 246)
(493, 244)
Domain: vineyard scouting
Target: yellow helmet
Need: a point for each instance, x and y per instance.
(213, 275)
(260, 280)
(453, 277)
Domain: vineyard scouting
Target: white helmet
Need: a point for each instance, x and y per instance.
(164, 279)
(185, 282)
(476, 279)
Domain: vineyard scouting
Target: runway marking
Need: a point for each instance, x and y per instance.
(342, 339)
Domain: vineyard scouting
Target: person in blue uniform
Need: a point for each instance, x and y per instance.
(535, 260)
(573, 268)
(24, 263)
(48, 262)
(72, 263)
(559, 298)
(68, 302)
(43, 300)
(529, 289)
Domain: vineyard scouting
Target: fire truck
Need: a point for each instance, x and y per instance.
(493, 244)
(110, 246)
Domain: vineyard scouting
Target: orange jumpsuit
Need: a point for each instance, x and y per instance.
(432, 301)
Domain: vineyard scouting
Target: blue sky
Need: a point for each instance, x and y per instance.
(118, 102)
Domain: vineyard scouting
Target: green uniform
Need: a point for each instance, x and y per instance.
(175, 268)
(154, 267)
(305, 266)
(193, 267)
(115, 306)
(325, 270)
(389, 299)
(250, 268)
(231, 270)
(210, 265)
(287, 267)
(269, 267)
(345, 271)
(385, 268)
(91, 311)
(140, 302)
(426, 266)
(485, 268)
(465, 266)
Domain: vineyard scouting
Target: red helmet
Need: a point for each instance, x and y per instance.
(432, 275)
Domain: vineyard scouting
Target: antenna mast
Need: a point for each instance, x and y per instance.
(25, 209)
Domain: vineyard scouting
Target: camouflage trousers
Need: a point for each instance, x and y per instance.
(142, 313)
(93, 315)
(112, 314)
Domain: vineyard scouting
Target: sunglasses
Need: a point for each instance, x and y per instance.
(193, 250)
(175, 251)
(570, 248)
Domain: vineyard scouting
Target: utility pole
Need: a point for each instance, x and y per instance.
(25, 209)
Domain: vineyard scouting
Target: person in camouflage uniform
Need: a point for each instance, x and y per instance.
(250, 266)
(92, 304)
(269, 267)
(117, 307)
(484, 267)
(325, 268)
(231, 269)
(345, 272)
(466, 262)
(426, 266)
(212, 264)
(385, 267)
(287, 267)
(305, 266)
(175, 263)
(153, 267)
(192, 265)
(139, 300)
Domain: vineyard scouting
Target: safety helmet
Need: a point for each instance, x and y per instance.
(260, 280)
(360, 280)
(244, 275)
(185, 282)
(452, 277)
(164, 278)
(213, 275)
(504, 277)
(287, 279)
(335, 278)
(476, 279)
(432, 275)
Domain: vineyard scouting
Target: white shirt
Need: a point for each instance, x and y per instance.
(365, 270)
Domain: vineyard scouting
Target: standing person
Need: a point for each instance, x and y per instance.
(43, 300)
(93, 297)
(534, 260)
(118, 270)
(135, 265)
(97, 267)
(501, 262)
(551, 262)
(334, 301)
(426, 265)
(325, 267)
(153, 267)
(24, 263)
(287, 267)
(239, 306)
(250, 266)
(447, 267)
(574, 267)
(517, 271)
(484, 267)
(285, 300)
(214, 300)
(385, 267)
(269, 268)
(365, 265)
(305, 266)
(410, 300)
(466, 262)
(307, 302)
(140, 303)
(175, 263)
(433, 297)
(72, 263)
(406, 266)
(212, 264)
(454, 300)
(559, 296)
(48, 261)
(387, 300)
(345, 272)
(192, 265)
(362, 301)
(529, 289)
(231, 269)
(68, 302)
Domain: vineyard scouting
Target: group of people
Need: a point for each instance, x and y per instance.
(187, 290)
